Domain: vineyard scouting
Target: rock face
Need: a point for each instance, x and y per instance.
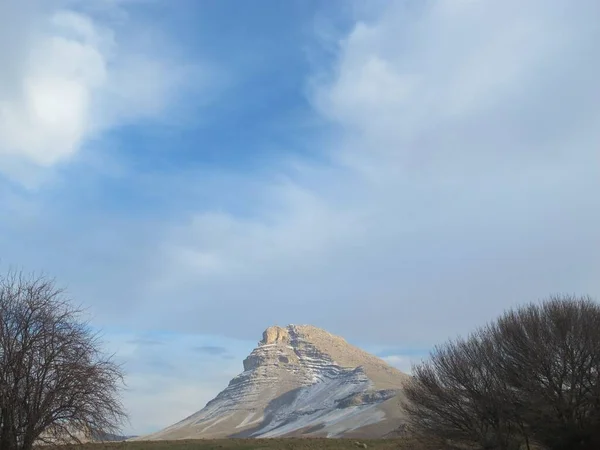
(301, 381)
(275, 335)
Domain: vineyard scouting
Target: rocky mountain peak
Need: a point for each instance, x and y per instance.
(300, 380)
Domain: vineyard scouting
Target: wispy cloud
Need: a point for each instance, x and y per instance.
(463, 145)
(145, 342)
(456, 178)
(212, 350)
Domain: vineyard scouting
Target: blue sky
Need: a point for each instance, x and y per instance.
(397, 172)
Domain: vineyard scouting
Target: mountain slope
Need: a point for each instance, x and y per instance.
(301, 380)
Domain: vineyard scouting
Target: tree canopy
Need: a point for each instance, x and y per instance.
(56, 384)
(532, 377)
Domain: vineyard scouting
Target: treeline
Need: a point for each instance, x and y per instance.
(529, 380)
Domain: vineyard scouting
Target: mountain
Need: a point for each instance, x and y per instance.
(76, 437)
(301, 381)
(110, 437)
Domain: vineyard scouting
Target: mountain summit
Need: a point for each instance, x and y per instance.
(301, 381)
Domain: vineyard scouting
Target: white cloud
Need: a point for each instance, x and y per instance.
(446, 68)
(463, 166)
(74, 74)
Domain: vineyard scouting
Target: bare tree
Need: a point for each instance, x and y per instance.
(55, 382)
(530, 378)
(551, 359)
(457, 400)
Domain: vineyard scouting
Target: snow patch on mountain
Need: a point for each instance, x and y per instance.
(317, 403)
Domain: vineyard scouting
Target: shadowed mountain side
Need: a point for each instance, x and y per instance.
(322, 422)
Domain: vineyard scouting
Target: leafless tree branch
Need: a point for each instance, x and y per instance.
(55, 382)
(530, 378)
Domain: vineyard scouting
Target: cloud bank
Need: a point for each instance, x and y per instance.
(461, 167)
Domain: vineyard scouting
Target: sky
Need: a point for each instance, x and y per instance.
(396, 172)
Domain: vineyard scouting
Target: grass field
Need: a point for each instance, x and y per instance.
(254, 444)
